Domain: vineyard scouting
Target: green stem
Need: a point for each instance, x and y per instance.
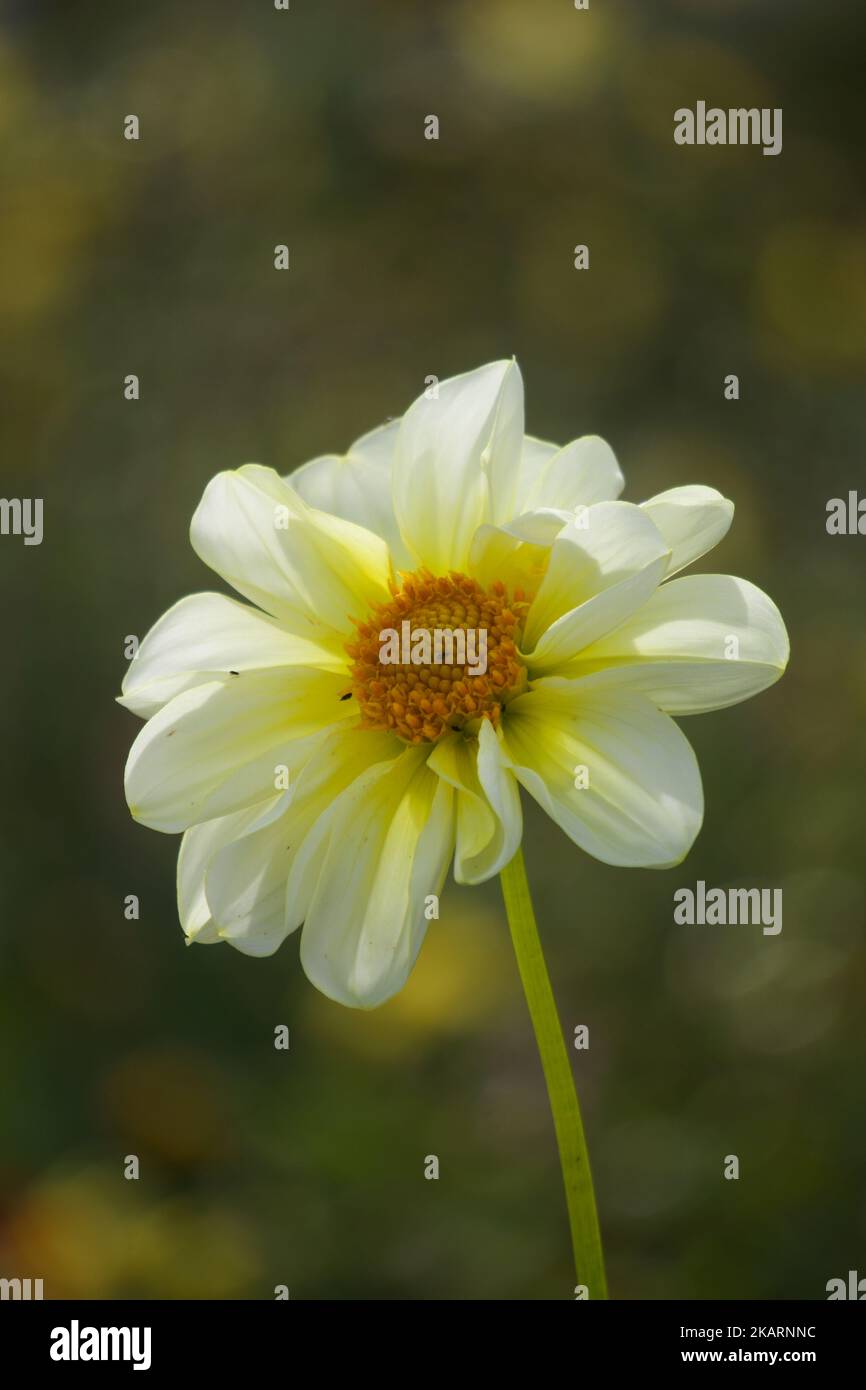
(573, 1155)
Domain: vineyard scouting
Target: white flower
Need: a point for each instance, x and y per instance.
(316, 786)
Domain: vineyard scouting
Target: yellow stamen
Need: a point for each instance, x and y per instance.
(422, 703)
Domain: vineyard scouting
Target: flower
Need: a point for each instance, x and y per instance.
(317, 785)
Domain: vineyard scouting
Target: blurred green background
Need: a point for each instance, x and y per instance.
(411, 257)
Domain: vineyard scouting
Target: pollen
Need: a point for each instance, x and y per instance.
(440, 657)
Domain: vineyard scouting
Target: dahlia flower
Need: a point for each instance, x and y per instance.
(318, 787)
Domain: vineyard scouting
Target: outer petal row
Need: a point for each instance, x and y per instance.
(353, 852)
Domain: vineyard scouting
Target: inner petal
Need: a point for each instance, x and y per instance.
(440, 657)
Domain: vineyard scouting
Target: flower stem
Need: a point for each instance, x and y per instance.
(573, 1155)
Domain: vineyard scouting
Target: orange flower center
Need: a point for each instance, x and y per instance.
(440, 656)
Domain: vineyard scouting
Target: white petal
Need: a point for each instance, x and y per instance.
(357, 487)
(215, 749)
(309, 569)
(601, 569)
(539, 527)
(535, 454)
(206, 637)
(643, 806)
(198, 846)
(702, 642)
(363, 875)
(456, 463)
(691, 519)
(245, 887)
(246, 881)
(489, 819)
(377, 446)
(583, 472)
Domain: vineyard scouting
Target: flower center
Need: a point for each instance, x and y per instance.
(440, 656)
